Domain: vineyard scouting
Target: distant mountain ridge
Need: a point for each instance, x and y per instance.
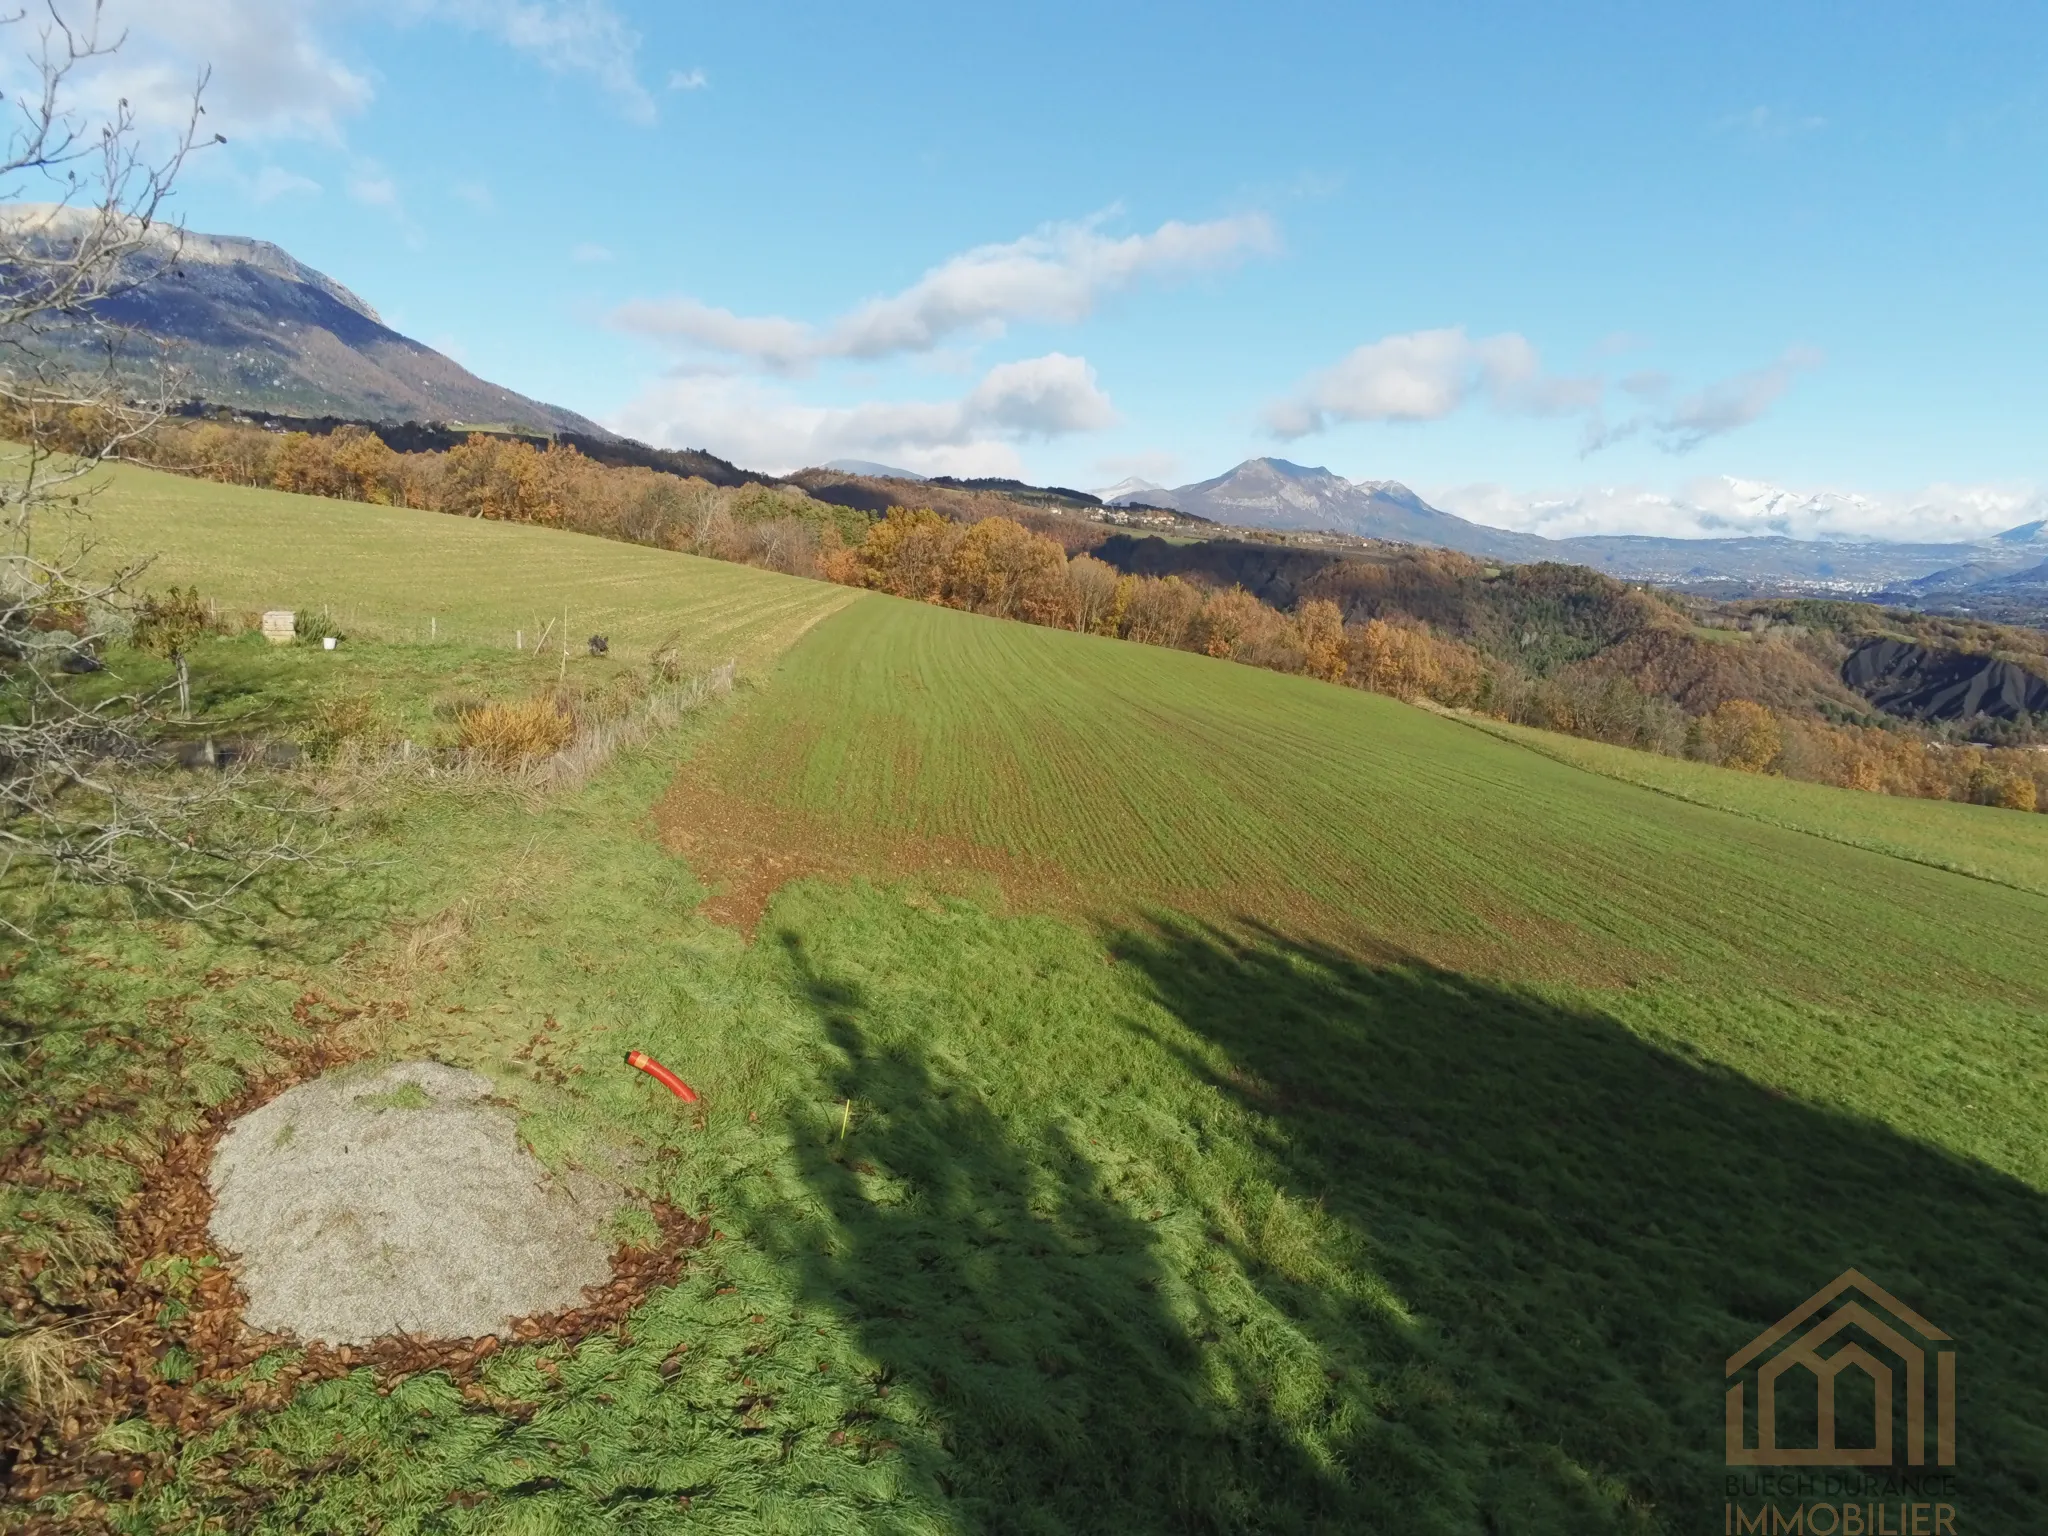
(1130, 491)
(1277, 494)
(870, 468)
(249, 326)
(1273, 493)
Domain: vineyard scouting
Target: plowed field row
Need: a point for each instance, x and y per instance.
(1111, 777)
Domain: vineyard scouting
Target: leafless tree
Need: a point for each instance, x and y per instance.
(81, 794)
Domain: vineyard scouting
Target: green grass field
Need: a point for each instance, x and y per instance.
(1973, 840)
(398, 574)
(1273, 1108)
(1162, 779)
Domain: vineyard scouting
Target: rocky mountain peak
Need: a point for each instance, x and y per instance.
(249, 326)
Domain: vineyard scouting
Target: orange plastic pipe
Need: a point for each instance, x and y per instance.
(662, 1075)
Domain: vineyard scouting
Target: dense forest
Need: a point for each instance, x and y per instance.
(1756, 686)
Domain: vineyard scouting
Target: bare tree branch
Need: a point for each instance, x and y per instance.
(85, 790)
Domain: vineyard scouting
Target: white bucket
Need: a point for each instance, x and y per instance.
(327, 642)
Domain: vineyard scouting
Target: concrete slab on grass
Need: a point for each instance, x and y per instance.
(396, 1200)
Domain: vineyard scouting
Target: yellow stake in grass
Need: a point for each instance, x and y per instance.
(845, 1120)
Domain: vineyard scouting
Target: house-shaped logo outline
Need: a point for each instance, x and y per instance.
(1805, 1354)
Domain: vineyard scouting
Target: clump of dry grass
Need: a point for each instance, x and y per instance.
(505, 735)
(341, 721)
(429, 943)
(44, 1371)
(667, 664)
(615, 700)
(553, 740)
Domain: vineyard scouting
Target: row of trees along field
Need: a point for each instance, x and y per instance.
(1616, 682)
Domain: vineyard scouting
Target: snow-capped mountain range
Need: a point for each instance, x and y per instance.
(1725, 506)
(1130, 492)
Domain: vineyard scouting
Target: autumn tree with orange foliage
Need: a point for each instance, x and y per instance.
(304, 466)
(1162, 611)
(510, 480)
(1740, 734)
(1409, 662)
(1322, 639)
(907, 554)
(1113, 619)
(1093, 587)
(1992, 784)
(367, 466)
(1003, 569)
(1237, 626)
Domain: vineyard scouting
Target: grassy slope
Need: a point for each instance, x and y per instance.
(1434, 1209)
(389, 571)
(1337, 815)
(1973, 840)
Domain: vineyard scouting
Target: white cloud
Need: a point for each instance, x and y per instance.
(373, 188)
(1156, 465)
(1425, 376)
(769, 339)
(1058, 274)
(1616, 343)
(1040, 397)
(567, 37)
(1731, 403)
(274, 181)
(1725, 506)
(763, 428)
(278, 73)
(1709, 412)
(687, 80)
(477, 194)
(271, 75)
(948, 362)
(589, 251)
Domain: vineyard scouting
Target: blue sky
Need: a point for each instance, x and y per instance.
(1569, 267)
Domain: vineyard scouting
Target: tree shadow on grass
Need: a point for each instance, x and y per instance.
(1590, 1225)
(1534, 1239)
(1000, 1284)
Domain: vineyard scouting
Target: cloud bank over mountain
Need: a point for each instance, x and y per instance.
(1422, 376)
(1728, 506)
(1425, 376)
